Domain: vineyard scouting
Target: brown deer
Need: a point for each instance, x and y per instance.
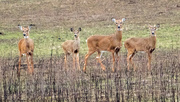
(100, 43)
(72, 47)
(26, 47)
(148, 45)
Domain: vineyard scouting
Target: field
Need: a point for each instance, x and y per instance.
(53, 20)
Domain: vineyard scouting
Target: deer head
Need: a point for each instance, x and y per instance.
(153, 29)
(25, 30)
(76, 32)
(118, 23)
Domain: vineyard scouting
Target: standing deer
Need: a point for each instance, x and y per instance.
(26, 47)
(148, 45)
(72, 47)
(100, 43)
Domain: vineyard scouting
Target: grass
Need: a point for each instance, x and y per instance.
(46, 40)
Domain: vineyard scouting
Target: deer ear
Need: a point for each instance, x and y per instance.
(31, 26)
(79, 29)
(157, 25)
(123, 19)
(114, 20)
(20, 27)
(150, 26)
(71, 29)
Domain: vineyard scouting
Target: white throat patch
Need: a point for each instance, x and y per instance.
(26, 37)
(119, 29)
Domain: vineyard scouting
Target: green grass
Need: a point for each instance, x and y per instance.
(46, 40)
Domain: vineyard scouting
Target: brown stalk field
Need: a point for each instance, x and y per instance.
(51, 82)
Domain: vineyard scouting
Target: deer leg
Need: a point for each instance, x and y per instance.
(131, 61)
(77, 59)
(149, 61)
(99, 60)
(19, 64)
(29, 70)
(113, 61)
(118, 59)
(117, 49)
(32, 64)
(129, 56)
(99, 55)
(86, 58)
(65, 61)
(74, 58)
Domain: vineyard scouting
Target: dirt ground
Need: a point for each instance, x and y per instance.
(49, 14)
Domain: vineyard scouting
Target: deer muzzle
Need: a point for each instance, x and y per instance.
(75, 35)
(152, 32)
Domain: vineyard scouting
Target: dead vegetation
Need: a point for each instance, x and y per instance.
(51, 82)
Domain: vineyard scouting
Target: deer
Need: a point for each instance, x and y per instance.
(72, 47)
(26, 47)
(148, 45)
(100, 43)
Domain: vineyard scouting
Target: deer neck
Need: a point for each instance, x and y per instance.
(77, 39)
(118, 34)
(76, 43)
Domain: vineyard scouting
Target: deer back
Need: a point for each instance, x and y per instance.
(104, 43)
(140, 44)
